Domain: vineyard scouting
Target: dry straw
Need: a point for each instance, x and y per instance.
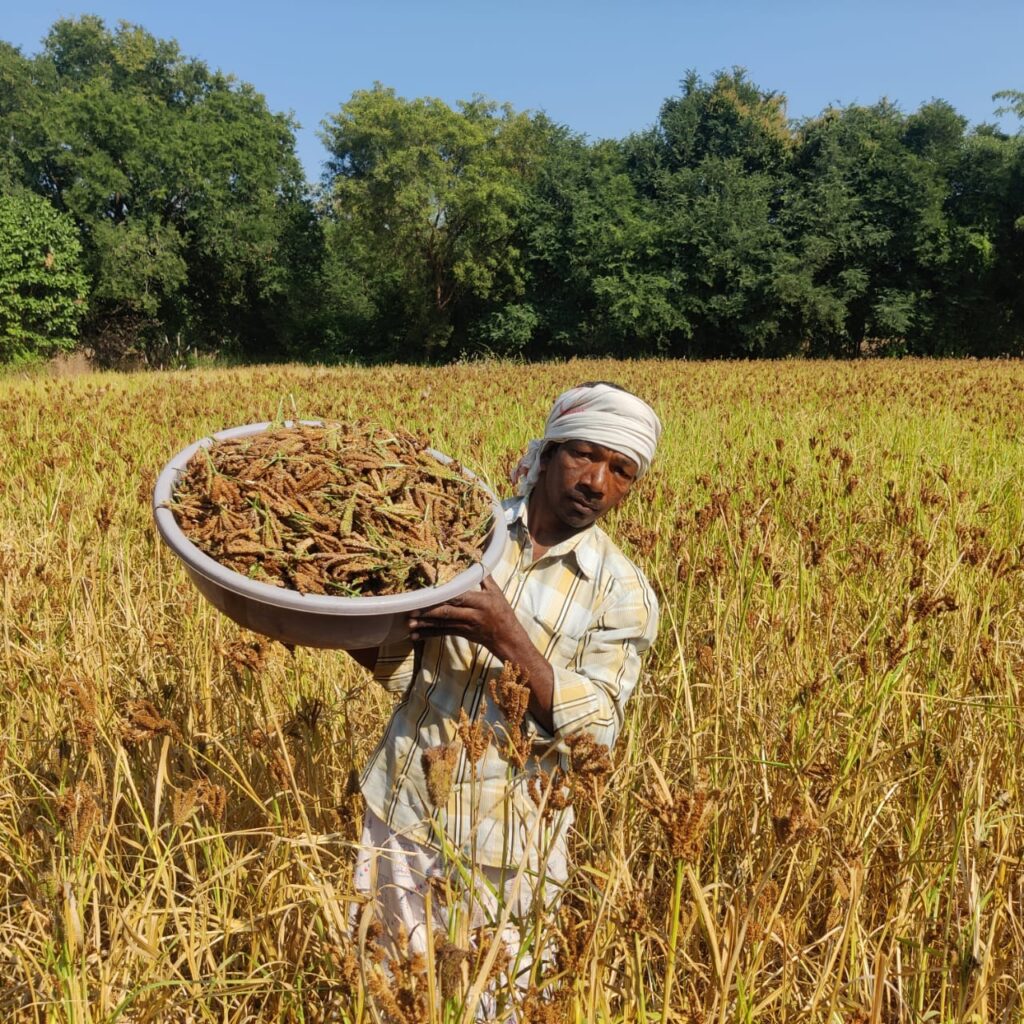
(833, 704)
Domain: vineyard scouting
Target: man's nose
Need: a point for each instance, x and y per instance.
(595, 478)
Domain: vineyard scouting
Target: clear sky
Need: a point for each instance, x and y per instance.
(600, 67)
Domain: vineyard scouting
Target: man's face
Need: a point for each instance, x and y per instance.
(581, 481)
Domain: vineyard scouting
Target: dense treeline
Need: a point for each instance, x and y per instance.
(149, 205)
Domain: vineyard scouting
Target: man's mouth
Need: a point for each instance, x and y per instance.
(581, 505)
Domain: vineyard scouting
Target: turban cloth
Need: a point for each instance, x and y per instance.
(600, 414)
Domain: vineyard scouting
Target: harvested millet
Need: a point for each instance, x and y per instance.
(343, 510)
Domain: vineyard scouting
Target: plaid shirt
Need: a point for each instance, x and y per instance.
(591, 613)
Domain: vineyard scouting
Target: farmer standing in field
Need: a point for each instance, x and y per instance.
(567, 616)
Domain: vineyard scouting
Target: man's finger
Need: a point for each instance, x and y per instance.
(445, 625)
(424, 630)
(455, 606)
(471, 600)
(444, 614)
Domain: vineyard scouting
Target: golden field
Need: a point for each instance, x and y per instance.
(835, 704)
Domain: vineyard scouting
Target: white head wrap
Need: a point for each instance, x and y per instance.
(601, 414)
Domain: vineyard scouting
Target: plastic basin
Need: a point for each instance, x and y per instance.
(309, 620)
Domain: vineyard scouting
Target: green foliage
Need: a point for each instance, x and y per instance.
(1014, 102)
(729, 118)
(42, 285)
(509, 330)
(723, 230)
(589, 239)
(714, 172)
(434, 195)
(184, 186)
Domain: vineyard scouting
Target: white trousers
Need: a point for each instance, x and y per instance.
(393, 873)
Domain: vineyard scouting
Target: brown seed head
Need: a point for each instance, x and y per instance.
(202, 794)
(512, 694)
(539, 1007)
(77, 812)
(475, 735)
(453, 966)
(590, 766)
(438, 768)
(141, 721)
(683, 814)
(82, 699)
(795, 825)
(559, 797)
(250, 653)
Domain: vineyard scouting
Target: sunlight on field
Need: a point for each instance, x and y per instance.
(835, 701)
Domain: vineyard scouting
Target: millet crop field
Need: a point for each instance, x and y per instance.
(815, 810)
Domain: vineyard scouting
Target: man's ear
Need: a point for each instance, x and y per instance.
(549, 449)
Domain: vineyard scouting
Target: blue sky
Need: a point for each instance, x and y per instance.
(602, 68)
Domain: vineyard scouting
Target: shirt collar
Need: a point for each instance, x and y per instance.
(579, 545)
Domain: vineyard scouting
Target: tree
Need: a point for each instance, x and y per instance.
(981, 301)
(42, 286)
(729, 118)
(714, 169)
(866, 219)
(184, 186)
(430, 199)
(592, 289)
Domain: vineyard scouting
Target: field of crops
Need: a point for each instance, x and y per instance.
(835, 701)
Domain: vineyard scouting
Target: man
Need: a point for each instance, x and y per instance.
(572, 614)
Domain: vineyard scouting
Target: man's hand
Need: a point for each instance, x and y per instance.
(485, 617)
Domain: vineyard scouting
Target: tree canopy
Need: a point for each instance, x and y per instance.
(436, 198)
(438, 231)
(183, 185)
